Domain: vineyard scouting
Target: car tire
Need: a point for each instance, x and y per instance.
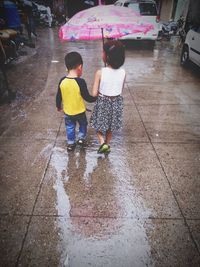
(185, 56)
(152, 44)
(149, 44)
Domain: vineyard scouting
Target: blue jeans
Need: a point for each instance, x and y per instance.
(70, 126)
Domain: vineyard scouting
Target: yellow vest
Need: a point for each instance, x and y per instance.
(72, 100)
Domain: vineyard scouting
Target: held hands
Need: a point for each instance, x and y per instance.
(95, 89)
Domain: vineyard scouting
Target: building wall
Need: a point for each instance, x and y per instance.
(166, 10)
(58, 7)
(194, 11)
(182, 9)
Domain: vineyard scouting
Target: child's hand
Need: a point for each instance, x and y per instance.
(59, 109)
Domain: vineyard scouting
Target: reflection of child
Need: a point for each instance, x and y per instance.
(108, 85)
(72, 91)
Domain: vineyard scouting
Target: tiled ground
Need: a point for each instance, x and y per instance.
(137, 207)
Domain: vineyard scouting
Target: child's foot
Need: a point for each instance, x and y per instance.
(71, 147)
(82, 143)
(104, 148)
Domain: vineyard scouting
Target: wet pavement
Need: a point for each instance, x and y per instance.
(137, 207)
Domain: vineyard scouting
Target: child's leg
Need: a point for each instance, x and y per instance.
(70, 126)
(108, 136)
(82, 120)
(100, 137)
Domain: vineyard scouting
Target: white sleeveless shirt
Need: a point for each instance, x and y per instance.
(112, 80)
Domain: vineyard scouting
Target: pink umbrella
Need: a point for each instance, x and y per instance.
(103, 21)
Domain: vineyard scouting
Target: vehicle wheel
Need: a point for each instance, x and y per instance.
(150, 44)
(184, 56)
(3, 90)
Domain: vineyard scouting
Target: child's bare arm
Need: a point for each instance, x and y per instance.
(95, 89)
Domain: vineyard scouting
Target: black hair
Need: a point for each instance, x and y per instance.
(115, 53)
(73, 60)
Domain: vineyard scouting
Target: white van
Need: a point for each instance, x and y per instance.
(148, 11)
(191, 47)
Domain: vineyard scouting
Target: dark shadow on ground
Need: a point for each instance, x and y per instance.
(138, 44)
(192, 69)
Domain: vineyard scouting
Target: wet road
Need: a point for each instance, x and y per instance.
(137, 207)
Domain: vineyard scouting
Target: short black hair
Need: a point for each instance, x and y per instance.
(115, 53)
(73, 60)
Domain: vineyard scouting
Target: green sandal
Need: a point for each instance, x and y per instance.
(104, 148)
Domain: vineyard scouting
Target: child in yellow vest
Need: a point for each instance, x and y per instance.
(72, 91)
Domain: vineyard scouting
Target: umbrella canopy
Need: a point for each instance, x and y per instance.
(113, 21)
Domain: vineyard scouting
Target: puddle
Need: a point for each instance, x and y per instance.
(45, 153)
(100, 226)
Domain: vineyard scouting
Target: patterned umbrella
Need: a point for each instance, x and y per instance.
(103, 22)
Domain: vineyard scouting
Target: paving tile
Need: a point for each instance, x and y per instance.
(182, 166)
(78, 179)
(172, 123)
(28, 126)
(182, 74)
(195, 230)
(145, 72)
(12, 232)
(132, 185)
(83, 241)
(22, 167)
(142, 172)
(166, 93)
(127, 98)
(171, 244)
(42, 244)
